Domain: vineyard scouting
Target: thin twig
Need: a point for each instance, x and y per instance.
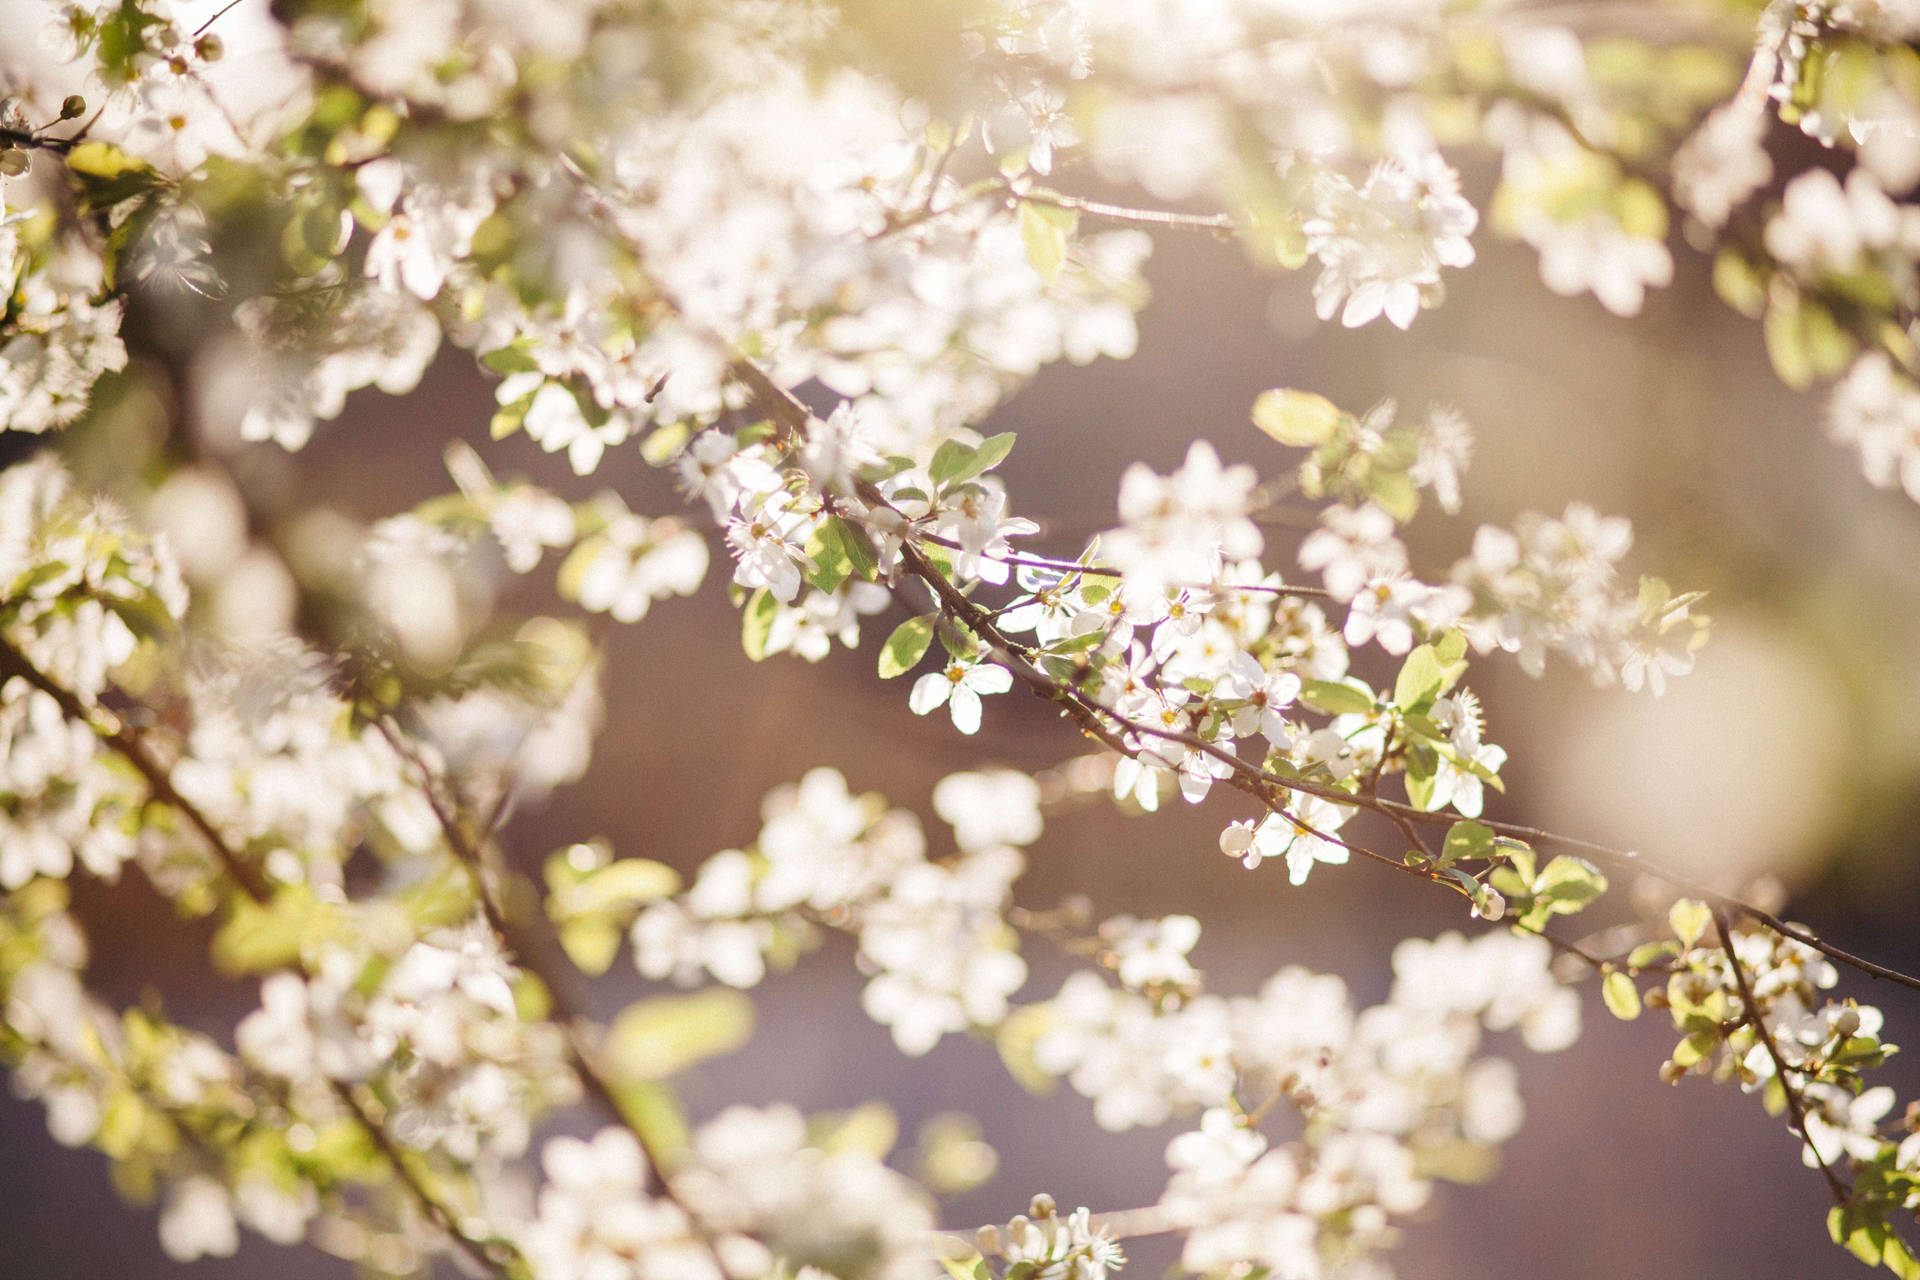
(1105, 571)
(254, 885)
(1796, 1106)
(795, 421)
(158, 777)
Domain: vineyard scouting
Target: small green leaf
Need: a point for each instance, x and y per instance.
(1899, 1258)
(624, 883)
(1044, 229)
(654, 1111)
(661, 1037)
(1297, 418)
(828, 555)
(1421, 676)
(1648, 953)
(1521, 857)
(1739, 284)
(1689, 919)
(1016, 1038)
(956, 463)
(756, 621)
(591, 942)
(870, 1129)
(906, 646)
(260, 938)
(857, 547)
(992, 452)
(1621, 996)
(1568, 884)
(1336, 698)
(949, 461)
(104, 160)
(1466, 839)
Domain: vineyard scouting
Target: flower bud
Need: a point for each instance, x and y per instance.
(209, 48)
(1846, 1023)
(1042, 1206)
(987, 1240)
(73, 108)
(1670, 1072)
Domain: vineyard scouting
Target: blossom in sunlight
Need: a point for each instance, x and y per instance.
(959, 686)
(1381, 245)
(1175, 529)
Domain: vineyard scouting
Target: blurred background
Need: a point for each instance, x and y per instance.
(1793, 752)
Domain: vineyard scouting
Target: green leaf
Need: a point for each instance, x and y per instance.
(1421, 677)
(1899, 1258)
(1648, 953)
(992, 452)
(1568, 884)
(828, 557)
(1018, 1034)
(1739, 284)
(1521, 857)
(260, 938)
(631, 880)
(756, 621)
(1804, 341)
(857, 547)
(509, 359)
(1621, 996)
(956, 463)
(144, 615)
(509, 418)
(1335, 697)
(654, 1111)
(591, 942)
(1689, 919)
(1044, 229)
(661, 1037)
(617, 888)
(870, 1129)
(1395, 493)
(1867, 1241)
(949, 461)
(1297, 418)
(1466, 839)
(104, 160)
(906, 646)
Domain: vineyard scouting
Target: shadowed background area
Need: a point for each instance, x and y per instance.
(1791, 751)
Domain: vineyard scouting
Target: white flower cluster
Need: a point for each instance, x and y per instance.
(438, 1027)
(1381, 1089)
(1551, 585)
(755, 1197)
(931, 934)
(56, 341)
(1381, 245)
(1876, 409)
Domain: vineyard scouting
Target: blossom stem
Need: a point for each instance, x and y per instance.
(795, 420)
(1796, 1105)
